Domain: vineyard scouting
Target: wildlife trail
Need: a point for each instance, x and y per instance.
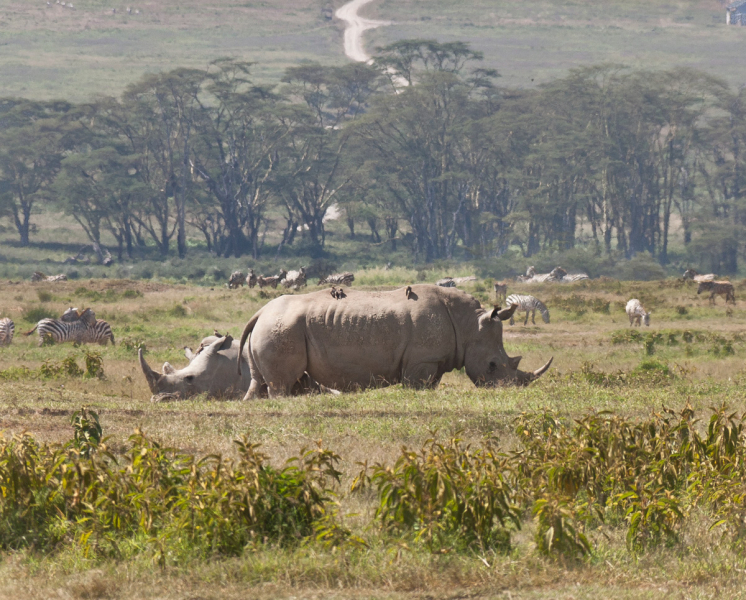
(356, 26)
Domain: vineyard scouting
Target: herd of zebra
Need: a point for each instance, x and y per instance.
(289, 279)
(74, 325)
(83, 327)
(634, 308)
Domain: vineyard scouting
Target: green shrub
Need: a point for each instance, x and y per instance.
(168, 501)
(447, 494)
(44, 296)
(34, 314)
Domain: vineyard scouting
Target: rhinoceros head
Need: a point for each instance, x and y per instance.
(208, 372)
(485, 359)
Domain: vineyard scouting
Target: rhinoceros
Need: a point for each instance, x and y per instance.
(369, 339)
(211, 370)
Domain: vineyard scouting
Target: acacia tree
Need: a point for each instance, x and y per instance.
(320, 102)
(235, 155)
(33, 139)
(157, 117)
(420, 141)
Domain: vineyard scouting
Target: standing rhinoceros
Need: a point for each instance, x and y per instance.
(378, 338)
(211, 370)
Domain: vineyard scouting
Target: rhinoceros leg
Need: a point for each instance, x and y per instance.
(422, 375)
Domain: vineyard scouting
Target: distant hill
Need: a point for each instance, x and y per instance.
(99, 47)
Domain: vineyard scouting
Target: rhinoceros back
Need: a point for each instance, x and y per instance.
(361, 339)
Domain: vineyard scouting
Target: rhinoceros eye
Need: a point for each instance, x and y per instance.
(493, 366)
(189, 378)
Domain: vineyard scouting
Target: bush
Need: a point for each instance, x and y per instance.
(34, 314)
(642, 267)
(446, 494)
(175, 504)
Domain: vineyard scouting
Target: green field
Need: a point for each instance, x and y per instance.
(78, 53)
(703, 348)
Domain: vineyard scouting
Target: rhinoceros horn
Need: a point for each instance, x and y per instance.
(526, 378)
(150, 375)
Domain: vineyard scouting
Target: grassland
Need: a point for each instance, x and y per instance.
(77, 53)
(590, 373)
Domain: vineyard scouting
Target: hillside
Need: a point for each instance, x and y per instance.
(55, 51)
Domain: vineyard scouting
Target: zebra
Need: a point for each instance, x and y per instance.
(84, 330)
(573, 277)
(251, 278)
(637, 313)
(38, 276)
(345, 278)
(446, 282)
(532, 277)
(272, 282)
(236, 280)
(530, 304)
(7, 329)
(501, 290)
(694, 276)
(718, 288)
(295, 279)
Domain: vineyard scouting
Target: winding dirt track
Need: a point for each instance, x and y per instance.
(356, 26)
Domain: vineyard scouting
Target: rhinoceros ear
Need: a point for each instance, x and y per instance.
(495, 311)
(514, 361)
(168, 368)
(506, 313)
(227, 343)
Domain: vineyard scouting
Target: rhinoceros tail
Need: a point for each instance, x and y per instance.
(245, 335)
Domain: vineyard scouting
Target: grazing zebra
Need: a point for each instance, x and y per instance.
(446, 282)
(38, 276)
(718, 288)
(694, 276)
(636, 313)
(236, 280)
(295, 279)
(529, 304)
(272, 282)
(251, 278)
(501, 290)
(7, 329)
(84, 330)
(345, 278)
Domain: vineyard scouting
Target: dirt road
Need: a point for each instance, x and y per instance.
(356, 26)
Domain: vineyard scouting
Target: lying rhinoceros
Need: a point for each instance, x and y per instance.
(211, 370)
(366, 339)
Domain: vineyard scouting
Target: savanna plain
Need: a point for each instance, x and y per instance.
(532, 502)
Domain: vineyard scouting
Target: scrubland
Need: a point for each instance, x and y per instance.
(690, 358)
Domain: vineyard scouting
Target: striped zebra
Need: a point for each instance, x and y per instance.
(38, 276)
(236, 280)
(446, 282)
(637, 313)
(718, 288)
(529, 304)
(533, 277)
(694, 276)
(84, 330)
(345, 278)
(7, 329)
(573, 277)
(501, 290)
